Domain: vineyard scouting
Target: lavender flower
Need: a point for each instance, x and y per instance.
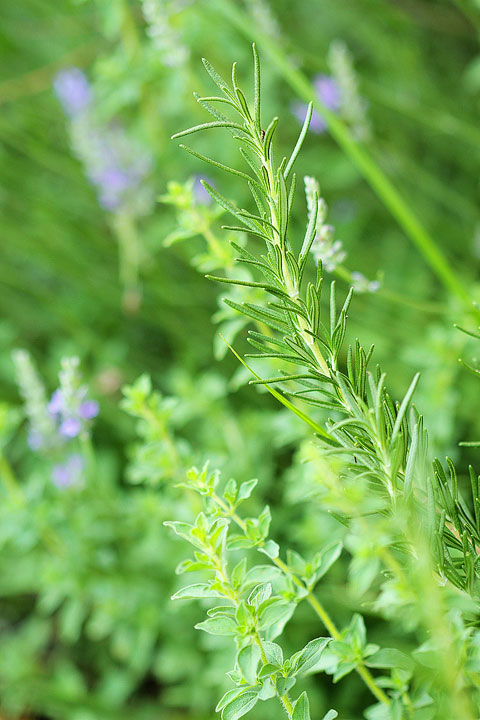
(88, 409)
(69, 473)
(114, 164)
(69, 404)
(352, 106)
(42, 431)
(73, 91)
(70, 427)
(327, 91)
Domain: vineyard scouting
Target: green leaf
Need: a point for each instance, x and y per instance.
(299, 143)
(275, 616)
(220, 625)
(259, 595)
(301, 711)
(246, 489)
(326, 559)
(207, 126)
(239, 572)
(331, 715)
(390, 658)
(273, 652)
(271, 549)
(404, 407)
(217, 79)
(267, 670)
(247, 660)
(304, 660)
(285, 684)
(197, 590)
(256, 65)
(242, 704)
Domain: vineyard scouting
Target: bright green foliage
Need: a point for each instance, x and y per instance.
(346, 574)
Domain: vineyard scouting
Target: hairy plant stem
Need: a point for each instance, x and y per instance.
(313, 601)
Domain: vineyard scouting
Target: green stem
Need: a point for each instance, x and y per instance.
(371, 171)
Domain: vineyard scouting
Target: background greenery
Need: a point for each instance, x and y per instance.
(87, 629)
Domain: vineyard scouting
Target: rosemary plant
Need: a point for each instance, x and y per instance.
(428, 548)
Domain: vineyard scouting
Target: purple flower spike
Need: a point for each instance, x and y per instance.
(56, 403)
(68, 473)
(327, 91)
(70, 427)
(72, 89)
(89, 409)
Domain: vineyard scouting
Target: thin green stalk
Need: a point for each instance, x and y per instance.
(313, 602)
(380, 183)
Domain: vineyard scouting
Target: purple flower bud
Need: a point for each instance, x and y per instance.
(88, 409)
(73, 90)
(56, 403)
(70, 427)
(68, 473)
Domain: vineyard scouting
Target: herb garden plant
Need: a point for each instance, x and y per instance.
(214, 502)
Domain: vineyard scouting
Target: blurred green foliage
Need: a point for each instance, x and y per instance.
(87, 629)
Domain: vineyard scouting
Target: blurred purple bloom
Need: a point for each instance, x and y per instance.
(328, 92)
(73, 90)
(68, 473)
(35, 440)
(70, 427)
(56, 403)
(202, 197)
(88, 409)
(113, 163)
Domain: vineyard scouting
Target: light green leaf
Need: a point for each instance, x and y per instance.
(246, 489)
(219, 625)
(248, 659)
(326, 558)
(390, 658)
(301, 711)
(271, 549)
(197, 590)
(306, 659)
(240, 705)
(259, 594)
